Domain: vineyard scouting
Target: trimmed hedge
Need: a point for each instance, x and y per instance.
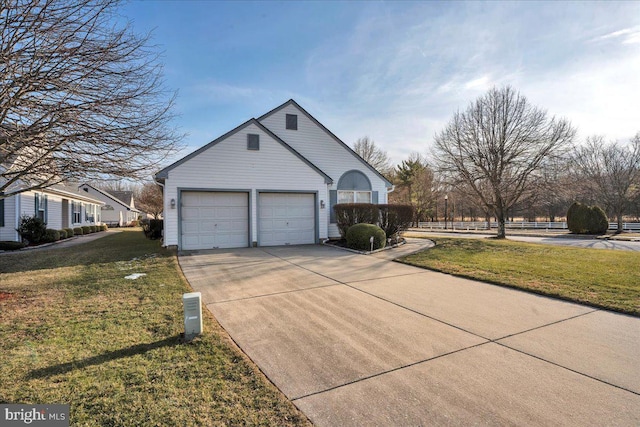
(11, 246)
(51, 236)
(63, 234)
(104, 227)
(78, 231)
(359, 235)
(69, 232)
(86, 229)
(583, 219)
(391, 218)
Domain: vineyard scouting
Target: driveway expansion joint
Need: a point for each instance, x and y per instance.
(567, 368)
(388, 371)
(273, 293)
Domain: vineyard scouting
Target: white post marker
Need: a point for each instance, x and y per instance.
(192, 315)
(371, 241)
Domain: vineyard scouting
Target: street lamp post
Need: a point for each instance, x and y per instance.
(446, 200)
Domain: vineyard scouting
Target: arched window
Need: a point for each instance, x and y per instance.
(354, 187)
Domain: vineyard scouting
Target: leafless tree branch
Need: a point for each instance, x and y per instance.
(80, 98)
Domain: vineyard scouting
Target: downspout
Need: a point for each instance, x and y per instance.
(16, 212)
(164, 217)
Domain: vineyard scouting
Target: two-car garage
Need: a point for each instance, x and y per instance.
(222, 219)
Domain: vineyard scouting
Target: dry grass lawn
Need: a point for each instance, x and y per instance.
(75, 331)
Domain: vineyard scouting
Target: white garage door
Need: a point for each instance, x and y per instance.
(214, 220)
(286, 219)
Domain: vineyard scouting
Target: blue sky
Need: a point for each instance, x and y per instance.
(395, 71)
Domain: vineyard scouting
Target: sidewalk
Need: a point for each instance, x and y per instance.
(72, 241)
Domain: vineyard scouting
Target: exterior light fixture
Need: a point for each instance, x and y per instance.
(173, 203)
(321, 204)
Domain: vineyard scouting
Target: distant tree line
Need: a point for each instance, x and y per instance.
(503, 159)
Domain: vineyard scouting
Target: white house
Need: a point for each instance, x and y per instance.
(270, 181)
(119, 207)
(59, 206)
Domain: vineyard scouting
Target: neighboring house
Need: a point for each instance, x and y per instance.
(59, 206)
(119, 206)
(271, 181)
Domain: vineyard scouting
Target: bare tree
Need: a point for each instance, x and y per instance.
(611, 172)
(80, 98)
(495, 148)
(150, 200)
(372, 154)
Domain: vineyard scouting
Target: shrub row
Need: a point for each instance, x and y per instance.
(34, 231)
(583, 219)
(11, 246)
(392, 219)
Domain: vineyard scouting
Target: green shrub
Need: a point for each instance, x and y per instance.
(598, 221)
(11, 246)
(359, 235)
(31, 229)
(69, 232)
(394, 219)
(104, 227)
(133, 223)
(86, 229)
(93, 228)
(577, 218)
(349, 214)
(583, 219)
(63, 234)
(51, 235)
(78, 231)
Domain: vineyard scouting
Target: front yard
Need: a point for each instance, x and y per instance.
(602, 278)
(74, 330)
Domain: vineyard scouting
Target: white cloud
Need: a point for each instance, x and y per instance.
(628, 35)
(402, 88)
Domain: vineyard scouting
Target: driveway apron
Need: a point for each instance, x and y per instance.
(361, 340)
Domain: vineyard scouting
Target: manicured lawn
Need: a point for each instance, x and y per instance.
(74, 330)
(602, 278)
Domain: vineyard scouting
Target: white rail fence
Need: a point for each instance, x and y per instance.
(518, 225)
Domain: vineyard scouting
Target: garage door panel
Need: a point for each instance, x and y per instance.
(214, 220)
(287, 218)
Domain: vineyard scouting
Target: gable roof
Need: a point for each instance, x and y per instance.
(71, 192)
(164, 173)
(328, 132)
(125, 196)
(111, 196)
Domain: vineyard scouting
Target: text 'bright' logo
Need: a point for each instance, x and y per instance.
(49, 415)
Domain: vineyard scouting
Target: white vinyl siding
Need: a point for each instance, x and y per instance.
(323, 151)
(229, 165)
(8, 232)
(112, 212)
(25, 205)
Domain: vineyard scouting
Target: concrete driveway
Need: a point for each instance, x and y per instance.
(360, 340)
